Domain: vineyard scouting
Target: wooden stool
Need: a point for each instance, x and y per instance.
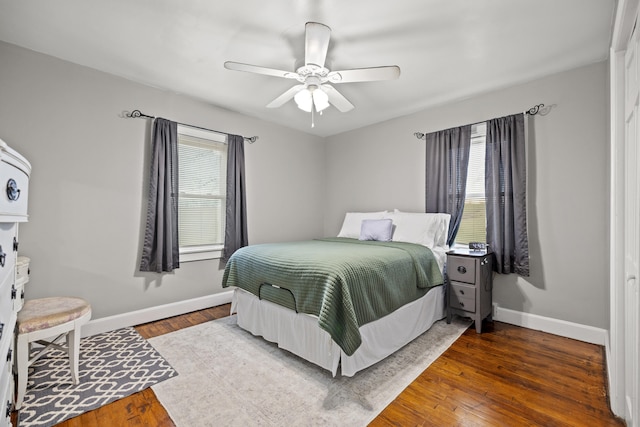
(41, 319)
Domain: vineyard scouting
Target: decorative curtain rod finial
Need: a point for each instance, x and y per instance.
(137, 114)
(535, 109)
(419, 135)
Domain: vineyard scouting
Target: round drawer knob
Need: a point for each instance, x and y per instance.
(462, 269)
(13, 192)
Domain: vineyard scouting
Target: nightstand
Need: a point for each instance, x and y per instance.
(470, 284)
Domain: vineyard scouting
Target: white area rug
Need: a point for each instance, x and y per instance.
(228, 377)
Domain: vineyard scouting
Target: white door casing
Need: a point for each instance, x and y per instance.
(624, 215)
(631, 228)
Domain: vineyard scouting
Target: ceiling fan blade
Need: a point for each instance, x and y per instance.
(365, 74)
(316, 43)
(337, 99)
(238, 66)
(282, 99)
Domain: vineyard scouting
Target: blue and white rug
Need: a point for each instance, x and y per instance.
(112, 365)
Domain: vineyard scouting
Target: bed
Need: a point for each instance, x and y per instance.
(345, 303)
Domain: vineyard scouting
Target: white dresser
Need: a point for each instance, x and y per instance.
(14, 187)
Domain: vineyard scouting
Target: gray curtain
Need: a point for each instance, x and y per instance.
(446, 174)
(161, 250)
(505, 191)
(235, 233)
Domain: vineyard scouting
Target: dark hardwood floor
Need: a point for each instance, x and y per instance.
(506, 376)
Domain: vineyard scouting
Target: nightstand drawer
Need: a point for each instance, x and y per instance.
(462, 297)
(463, 290)
(462, 269)
(466, 304)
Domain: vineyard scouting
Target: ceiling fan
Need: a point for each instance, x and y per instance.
(314, 93)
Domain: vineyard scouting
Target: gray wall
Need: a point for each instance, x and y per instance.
(89, 181)
(382, 167)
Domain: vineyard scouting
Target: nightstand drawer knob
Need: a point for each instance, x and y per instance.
(462, 269)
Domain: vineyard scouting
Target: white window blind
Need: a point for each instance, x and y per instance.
(473, 226)
(202, 158)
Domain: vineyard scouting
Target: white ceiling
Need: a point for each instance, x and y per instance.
(447, 49)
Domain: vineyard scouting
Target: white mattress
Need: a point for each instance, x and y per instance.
(301, 335)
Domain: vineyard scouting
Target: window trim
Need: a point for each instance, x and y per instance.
(202, 252)
(478, 136)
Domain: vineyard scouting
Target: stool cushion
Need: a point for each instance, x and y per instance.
(44, 313)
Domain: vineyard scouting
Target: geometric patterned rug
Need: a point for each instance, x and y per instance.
(112, 365)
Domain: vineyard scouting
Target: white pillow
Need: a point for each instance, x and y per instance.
(428, 229)
(352, 223)
(443, 219)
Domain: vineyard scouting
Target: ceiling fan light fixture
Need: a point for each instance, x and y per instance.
(304, 99)
(311, 97)
(320, 99)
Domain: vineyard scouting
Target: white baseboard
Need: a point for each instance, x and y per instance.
(110, 323)
(562, 328)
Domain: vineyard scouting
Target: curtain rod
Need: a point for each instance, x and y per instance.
(139, 114)
(531, 111)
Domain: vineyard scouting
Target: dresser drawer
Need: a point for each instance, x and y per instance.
(6, 402)
(14, 184)
(22, 277)
(7, 255)
(461, 269)
(18, 301)
(7, 357)
(462, 297)
(22, 269)
(10, 357)
(7, 315)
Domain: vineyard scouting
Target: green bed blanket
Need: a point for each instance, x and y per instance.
(346, 283)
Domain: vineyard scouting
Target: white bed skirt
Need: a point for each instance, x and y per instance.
(301, 335)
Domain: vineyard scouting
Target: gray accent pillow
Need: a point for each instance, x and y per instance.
(352, 224)
(376, 229)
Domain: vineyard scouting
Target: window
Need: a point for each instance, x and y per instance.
(202, 167)
(473, 226)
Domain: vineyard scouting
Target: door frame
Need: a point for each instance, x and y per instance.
(625, 21)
